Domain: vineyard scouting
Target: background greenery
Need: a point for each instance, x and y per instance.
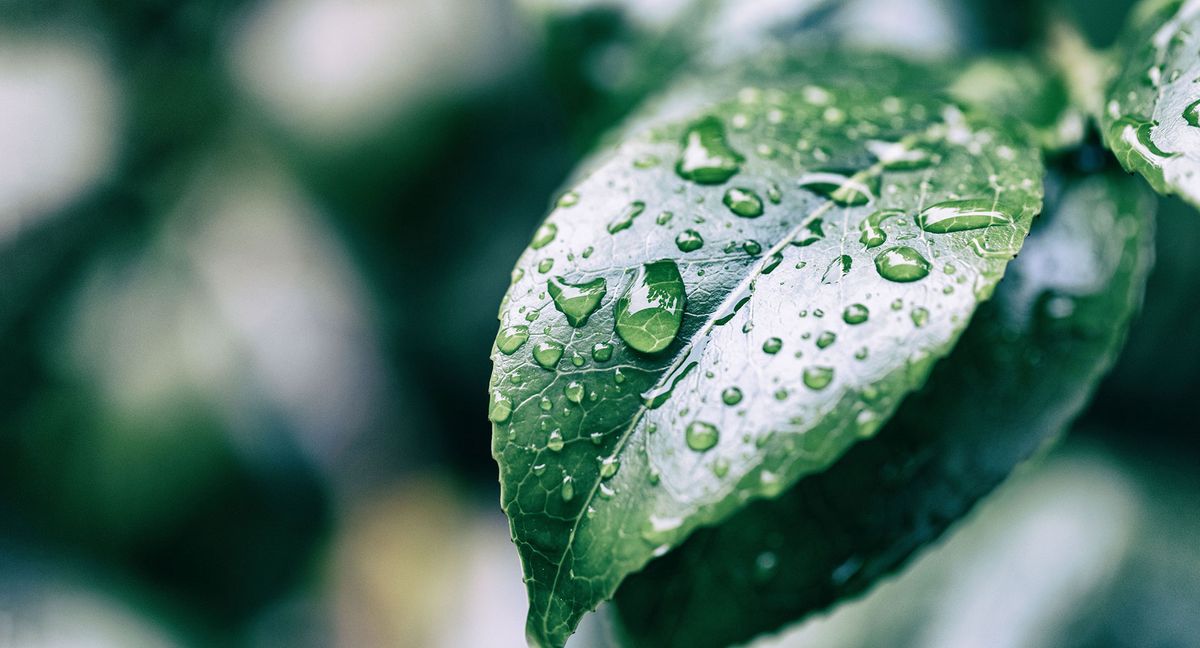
(251, 254)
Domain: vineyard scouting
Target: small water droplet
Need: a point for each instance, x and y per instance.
(574, 392)
(602, 352)
(650, 312)
(752, 247)
(500, 409)
(855, 314)
(838, 268)
(764, 566)
(548, 353)
(731, 396)
(902, 265)
(1191, 114)
(664, 218)
(701, 436)
(743, 202)
(577, 301)
(539, 469)
(843, 188)
(555, 442)
(818, 378)
(625, 219)
(544, 235)
(772, 345)
(569, 199)
(809, 234)
(689, 240)
(826, 339)
(772, 263)
(511, 338)
(618, 376)
(920, 316)
(720, 467)
(707, 157)
(873, 234)
(609, 467)
(568, 488)
(774, 194)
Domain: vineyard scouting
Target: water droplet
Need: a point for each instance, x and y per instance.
(625, 219)
(609, 467)
(596, 437)
(544, 235)
(500, 409)
(743, 202)
(902, 264)
(569, 199)
(872, 227)
(577, 360)
(1137, 135)
(920, 316)
(838, 268)
(818, 378)
(546, 404)
(602, 352)
(689, 240)
(539, 469)
(752, 247)
(555, 442)
(960, 215)
(826, 339)
(1191, 114)
(772, 263)
(774, 194)
(548, 353)
(809, 234)
(618, 376)
(511, 338)
(720, 467)
(664, 218)
(772, 345)
(701, 436)
(545, 265)
(577, 301)
(574, 392)
(855, 314)
(587, 251)
(568, 488)
(731, 396)
(842, 187)
(648, 315)
(707, 158)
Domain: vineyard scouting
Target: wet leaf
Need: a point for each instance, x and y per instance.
(1022, 371)
(821, 334)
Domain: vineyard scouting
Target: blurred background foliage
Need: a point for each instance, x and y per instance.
(251, 254)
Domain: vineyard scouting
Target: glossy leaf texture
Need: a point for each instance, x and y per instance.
(1023, 370)
(744, 288)
(1151, 120)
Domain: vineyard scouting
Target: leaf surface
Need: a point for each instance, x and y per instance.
(1151, 120)
(1022, 371)
(741, 290)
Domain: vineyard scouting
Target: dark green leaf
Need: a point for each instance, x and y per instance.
(1020, 374)
(1152, 117)
(814, 294)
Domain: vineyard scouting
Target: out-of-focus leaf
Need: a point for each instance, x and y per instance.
(1151, 120)
(732, 299)
(1021, 373)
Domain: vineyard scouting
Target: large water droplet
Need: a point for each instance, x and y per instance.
(574, 392)
(1136, 134)
(500, 408)
(743, 202)
(548, 353)
(577, 301)
(959, 215)
(842, 188)
(707, 157)
(701, 436)
(920, 316)
(511, 338)
(625, 219)
(602, 352)
(544, 235)
(689, 240)
(818, 377)
(902, 264)
(651, 310)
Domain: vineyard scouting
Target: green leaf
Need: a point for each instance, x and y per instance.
(749, 331)
(1151, 120)
(1022, 371)
(1027, 90)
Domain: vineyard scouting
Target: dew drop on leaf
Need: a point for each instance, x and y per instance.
(960, 215)
(701, 436)
(574, 392)
(902, 264)
(511, 338)
(602, 352)
(731, 396)
(577, 301)
(772, 345)
(555, 443)
(625, 219)
(500, 409)
(689, 240)
(707, 157)
(544, 235)
(818, 378)
(743, 202)
(648, 315)
(548, 353)
(855, 314)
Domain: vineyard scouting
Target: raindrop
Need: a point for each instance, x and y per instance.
(872, 227)
(577, 301)
(568, 488)
(809, 234)
(772, 345)
(960, 215)
(842, 187)
(707, 158)
(648, 315)
(544, 265)
(602, 352)
(855, 314)
(574, 392)
(743, 202)
(818, 378)
(625, 219)
(720, 467)
(548, 353)
(511, 338)
(920, 316)
(609, 466)
(826, 339)
(838, 268)
(1191, 114)
(500, 409)
(902, 264)
(731, 396)
(569, 199)
(689, 240)
(544, 235)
